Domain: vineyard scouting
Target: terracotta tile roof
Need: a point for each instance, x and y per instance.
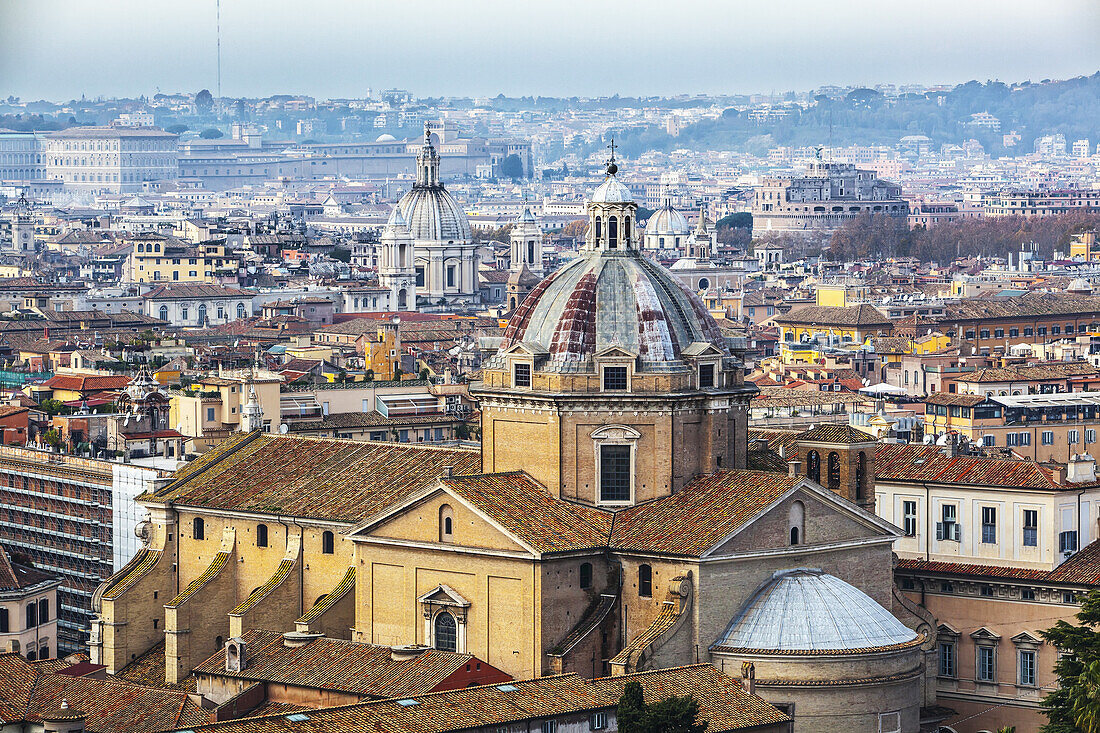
(524, 508)
(1022, 306)
(196, 290)
(722, 703)
(928, 463)
(831, 433)
(78, 383)
(891, 344)
(1082, 568)
(148, 669)
(14, 575)
(827, 315)
(700, 515)
(334, 664)
(111, 705)
(330, 599)
(954, 399)
(788, 397)
(1031, 372)
(339, 480)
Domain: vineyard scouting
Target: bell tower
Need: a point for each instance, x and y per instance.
(396, 270)
(611, 212)
(526, 241)
(842, 459)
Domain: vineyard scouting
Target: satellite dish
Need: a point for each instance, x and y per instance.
(284, 428)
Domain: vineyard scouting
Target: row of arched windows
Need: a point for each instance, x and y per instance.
(813, 471)
(328, 539)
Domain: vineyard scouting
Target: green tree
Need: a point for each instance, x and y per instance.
(177, 129)
(211, 133)
(631, 710)
(51, 407)
(52, 437)
(1074, 707)
(511, 167)
(671, 715)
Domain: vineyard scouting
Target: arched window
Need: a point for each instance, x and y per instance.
(240, 310)
(198, 529)
(164, 313)
(834, 470)
(328, 543)
(796, 519)
(261, 535)
(446, 524)
(612, 232)
(446, 632)
(586, 575)
(202, 314)
(219, 642)
(645, 581)
(813, 466)
(861, 476)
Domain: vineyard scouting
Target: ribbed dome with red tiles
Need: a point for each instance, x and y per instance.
(606, 299)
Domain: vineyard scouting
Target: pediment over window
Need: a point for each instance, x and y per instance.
(444, 595)
(1026, 639)
(984, 634)
(615, 352)
(615, 432)
(947, 630)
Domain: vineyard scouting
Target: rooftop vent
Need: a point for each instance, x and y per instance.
(407, 652)
(295, 639)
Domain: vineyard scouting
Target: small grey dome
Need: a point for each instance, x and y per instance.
(803, 609)
(385, 138)
(1079, 284)
(396, 219)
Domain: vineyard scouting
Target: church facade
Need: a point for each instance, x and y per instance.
(608, 523)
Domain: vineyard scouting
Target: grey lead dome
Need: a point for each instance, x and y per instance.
(802, 609)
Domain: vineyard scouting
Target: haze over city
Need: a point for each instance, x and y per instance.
(61, 49)
(555, 367)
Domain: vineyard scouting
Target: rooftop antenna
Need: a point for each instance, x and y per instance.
(219, 30)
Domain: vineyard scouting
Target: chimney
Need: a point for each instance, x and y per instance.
(794, 468)
(748, 677)
(1081, 469)
(295, 639)
(447, 472)
(407, 652)
(783, 451)
(235, 655)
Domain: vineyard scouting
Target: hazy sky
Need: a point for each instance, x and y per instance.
(60, 49)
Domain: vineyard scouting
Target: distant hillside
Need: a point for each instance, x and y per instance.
(865, 117)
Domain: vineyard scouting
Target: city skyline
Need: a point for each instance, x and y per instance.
(339, 49)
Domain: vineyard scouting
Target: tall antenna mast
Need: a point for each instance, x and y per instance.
(219, 29)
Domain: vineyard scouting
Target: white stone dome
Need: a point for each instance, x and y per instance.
(385, 137)
(803, 610)
(612, 192)
(667, 222)
(1079, 284)
(433, 215)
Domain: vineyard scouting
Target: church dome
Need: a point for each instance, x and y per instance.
(432, 214)
(667, 222)
(612, 299)
(803, 610)
(385, 138)
(1079, 285)
(430, 211)
(611, 191)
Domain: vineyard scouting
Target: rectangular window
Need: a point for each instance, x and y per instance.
(5, 625)
(521, 375)
(985, 333)
(1073, 436)
(989, 525)
(1027, 594)
(614, 473)
(999, 333)
(706, 376)
(209, 414)
(1042, 331)
(1031, 527)
(1013, 332)
(1027, 667)
(948, 528)
(987, 668)
(909, 518)
(989, 440)
(1029, 332)
(1067, 541)
(1048, 437)
(947, 659)
(599, 721)
(1090, 435)
(614, 378)
(946, 587)
(1055, 330)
